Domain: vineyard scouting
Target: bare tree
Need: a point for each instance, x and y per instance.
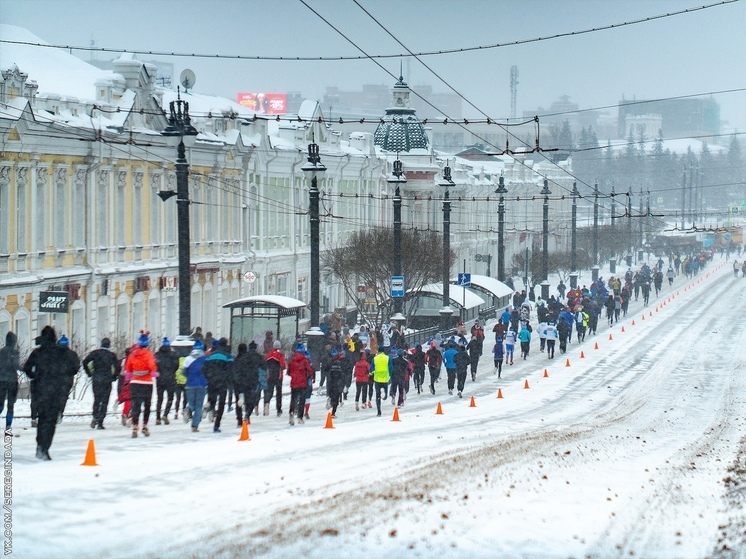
(366, 262)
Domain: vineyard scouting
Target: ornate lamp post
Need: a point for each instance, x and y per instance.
(180, 132)
(594, 269)
(501, 190)
(446, 311)
(397, 179)
(313, 169)
(545, 243)
(574, 238)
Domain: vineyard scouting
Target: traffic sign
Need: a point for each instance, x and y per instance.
(397, 286)
(464, 280)
(249, 277)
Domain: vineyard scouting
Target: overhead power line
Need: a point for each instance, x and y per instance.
(377, 56)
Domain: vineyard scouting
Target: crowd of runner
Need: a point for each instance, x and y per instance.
(375, 365)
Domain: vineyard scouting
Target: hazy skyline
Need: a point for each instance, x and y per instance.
(694, 53)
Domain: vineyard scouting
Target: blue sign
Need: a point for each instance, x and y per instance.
(397, 286)
(464, 280)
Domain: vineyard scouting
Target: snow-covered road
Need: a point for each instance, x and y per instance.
(634, 449)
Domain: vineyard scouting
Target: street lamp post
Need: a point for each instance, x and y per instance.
(501, 190)
(545, 243)
(446, 311)
(314, 169)
(630, 241)
(397, 179)
(595, 224)
(574, 241)
(180, 128)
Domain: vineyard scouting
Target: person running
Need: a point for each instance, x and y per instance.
(51, 367)
(275, 364)
(498, 352)
(218, 374)
(398, 367)
(103, 367)
(448, 360)
(179, 389)
(362, 375)
(462, 361)
(381, 375)
(245, 374)
(524, 336)
(299, 371)
(610, 304)
(474, 349)
(510, 337)
(167, 362)
(418, 362)
(141, 369)
(9, 366)
(551, 334)
(196, 385)
(434, 361)
(70, 355)
(334, 383)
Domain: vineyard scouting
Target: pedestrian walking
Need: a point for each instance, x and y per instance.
(196, 385)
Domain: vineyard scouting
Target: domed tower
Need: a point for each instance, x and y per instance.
(401, 130)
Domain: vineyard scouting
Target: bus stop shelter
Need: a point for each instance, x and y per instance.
(252, 317)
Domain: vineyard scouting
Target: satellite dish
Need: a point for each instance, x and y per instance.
(187, 79)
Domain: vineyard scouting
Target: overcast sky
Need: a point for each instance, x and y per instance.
(694, 53)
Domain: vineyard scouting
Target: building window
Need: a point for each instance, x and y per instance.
(4, 212)
(40, 210)
(21, 209)
(78, 208)
(60, 210)
(120, 208)
(137, 209)
(102, 192)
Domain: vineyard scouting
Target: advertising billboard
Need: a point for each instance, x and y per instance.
(264, 103)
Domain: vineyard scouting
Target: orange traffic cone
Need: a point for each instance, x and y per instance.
(499, 393)
(582, 355)
(90, 455)
(396, 415)
(546, 373)
(656, 309)
(472, 404)
(595, 346)
(525, 385)
(643, 317)
(610, 337)
(329, 422)
(244, 431)
(439, 411)
(622, 328)
(567, 363)
(633, 322)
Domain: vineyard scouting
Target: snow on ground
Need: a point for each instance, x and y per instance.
(632, 446)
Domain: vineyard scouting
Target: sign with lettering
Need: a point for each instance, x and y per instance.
(54, 301)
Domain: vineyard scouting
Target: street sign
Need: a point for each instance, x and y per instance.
(464, 280)
(397, 286)
(53, 301)
(249, 277)
(478, 257)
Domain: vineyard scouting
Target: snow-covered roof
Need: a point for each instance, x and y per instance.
(54, 70)
(276, 300)
(494, 286)
(458, 295)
